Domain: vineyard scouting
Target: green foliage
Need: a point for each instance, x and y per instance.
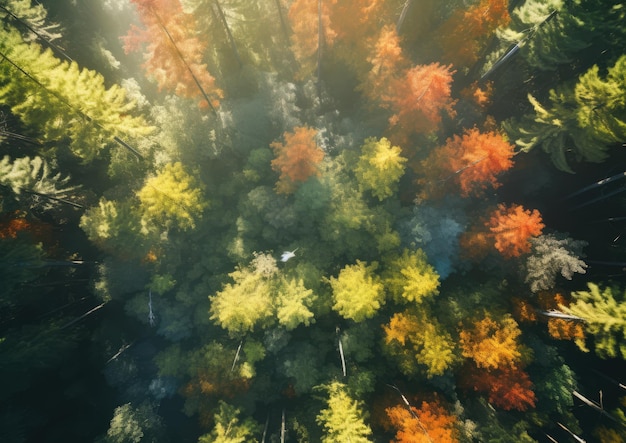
(172, 198)
(410, 278)
(118, 228)
(357, 291)
(583, 118)
(343, 419)
(229, 428)
(380, 167)
(293, 301)
(64, 101)
(243, 304)
(605, 318)
(28, 177)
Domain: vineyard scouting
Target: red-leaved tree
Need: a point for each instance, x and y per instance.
(174, 55)
(296, 159)
(512, 228)
(507, 388)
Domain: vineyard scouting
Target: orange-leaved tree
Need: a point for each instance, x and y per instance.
(418, 98)
(174, 55)
(429, 423)
(507, 388)
(512, 228)
(465, 34)
(472, 161)
(297, 159)
(492, 344)
(311, 28)
(387, 63)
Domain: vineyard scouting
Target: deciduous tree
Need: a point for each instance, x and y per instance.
(508, 387)
(466, 32)
(426, 424)
(380, 167)
(174, 54)
(357, 291)
(173, 198)
(492, 344)
(410, 278)
(513, 227)
(296, 159)
(230, 428)
(472, 161)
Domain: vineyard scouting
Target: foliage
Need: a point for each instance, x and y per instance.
(296, 159)
(584, 118)
(513, 227)
(173, 53)
(508, 388)
(172, 198)
(357, 291)
(472, 26)
(343, 419)
(417, 339)
(492, 344)
(59, 100)
(604, 316)
(473, 161)
(410, 278)
(380, 167)
(552, 255)
(430, 423)
(229, 428)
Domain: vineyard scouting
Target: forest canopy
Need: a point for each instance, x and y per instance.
(312, 220)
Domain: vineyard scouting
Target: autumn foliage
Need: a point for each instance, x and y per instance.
(491, 344)
(169, 63)
(296, 159)
(430, 423)
(507, 387)
(512, 228)
(472, 27)
(472, 161)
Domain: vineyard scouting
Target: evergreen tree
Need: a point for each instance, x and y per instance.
(604, 316)
(343, 419)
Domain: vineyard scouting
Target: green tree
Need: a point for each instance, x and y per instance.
(604, 316)
(343, 419)
(293, 303)
(357, 291)
(380, 167)
(584, 118)
(172, 198)
(61, 101)
(410, 278)
(243, 304)
(230, 428)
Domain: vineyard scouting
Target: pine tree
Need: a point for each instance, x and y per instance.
(61, 101)
(344, 418)
(605, 318)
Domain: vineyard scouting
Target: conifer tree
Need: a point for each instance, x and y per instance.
(357, 291)
(604, 312)
(59, 100)
(344, 418)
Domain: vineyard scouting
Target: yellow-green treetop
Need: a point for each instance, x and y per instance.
(343, 419)
(61, 101)
(380, 167)
(357, 291)
(410, 278)
(173, 198)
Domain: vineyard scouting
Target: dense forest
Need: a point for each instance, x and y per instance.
(312, 221)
